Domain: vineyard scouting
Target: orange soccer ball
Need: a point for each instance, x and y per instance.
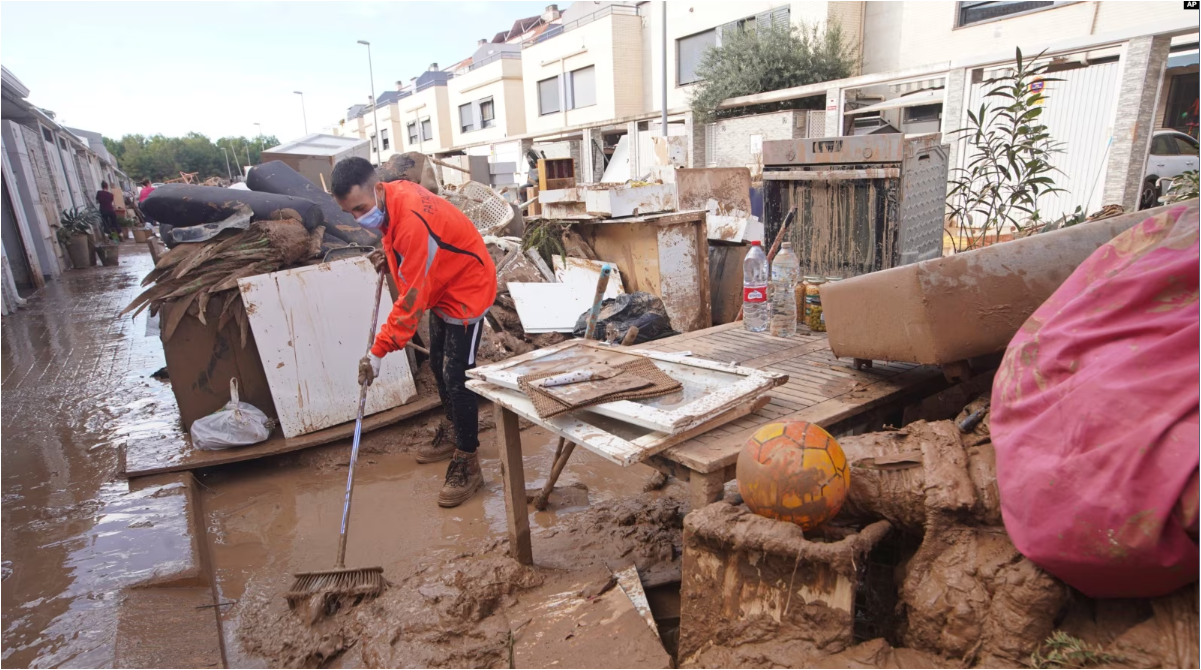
(793, 471)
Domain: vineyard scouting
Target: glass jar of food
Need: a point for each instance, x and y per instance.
(801, 287)
(816, 319)
(813, 303)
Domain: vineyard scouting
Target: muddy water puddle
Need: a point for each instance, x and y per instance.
(267, 520)
(76, 387)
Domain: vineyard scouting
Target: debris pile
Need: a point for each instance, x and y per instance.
(468, 609)
(188, 277)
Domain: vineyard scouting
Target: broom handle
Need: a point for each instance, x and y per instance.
(358, 430)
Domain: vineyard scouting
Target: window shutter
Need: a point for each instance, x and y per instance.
(548, 96)
(689, 51)
(771, 18)
(583, 87)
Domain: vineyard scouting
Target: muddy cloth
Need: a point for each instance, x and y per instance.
(452, 354)
(1095, 417)
(644, 310)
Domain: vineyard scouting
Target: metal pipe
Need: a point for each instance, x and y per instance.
(374, 107)
(602, 283)
(304, 115)
(663, 16)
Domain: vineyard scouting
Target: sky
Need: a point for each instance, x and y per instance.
(217, 68)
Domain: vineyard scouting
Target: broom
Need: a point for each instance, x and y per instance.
(342, 583)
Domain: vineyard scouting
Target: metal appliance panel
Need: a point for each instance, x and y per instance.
(923, 198)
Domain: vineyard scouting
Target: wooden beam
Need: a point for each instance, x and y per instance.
(198, 458)
(512, 472)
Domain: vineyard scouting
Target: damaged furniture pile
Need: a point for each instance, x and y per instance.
(921, 567)
(1005, 378)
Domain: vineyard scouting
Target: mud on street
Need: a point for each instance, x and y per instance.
(79, 539)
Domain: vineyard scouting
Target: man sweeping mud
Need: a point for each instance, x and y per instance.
(439, 263)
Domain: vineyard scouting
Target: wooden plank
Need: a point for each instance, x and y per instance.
(141, 465)
(712, 385)
(623, 452)
(311, 326)
(512, 471)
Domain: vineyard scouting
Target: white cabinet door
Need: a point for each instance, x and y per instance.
(311, 326)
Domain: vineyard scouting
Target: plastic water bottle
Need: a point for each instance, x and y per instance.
(756, 311)
(784, 268)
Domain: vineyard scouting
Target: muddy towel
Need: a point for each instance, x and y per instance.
(548, 406)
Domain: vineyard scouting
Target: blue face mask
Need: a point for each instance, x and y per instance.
(373, 218)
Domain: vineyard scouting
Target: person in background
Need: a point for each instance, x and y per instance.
(108, 213)
(146, 190)
(439, 263)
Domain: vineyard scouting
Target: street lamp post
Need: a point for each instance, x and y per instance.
(303, 114)
(227, 171)
(260, 131)
(374, 108)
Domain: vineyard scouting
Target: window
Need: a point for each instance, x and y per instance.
(689, 51)
(1181, 111)
(372, 140)
(412, 128)
(466, 119)
(548, 96)
(976, 12)
(487, 113)
(1185, 146)
(46, 135)
(583, 88)
(923, 113)
(1162, 145)
(62, 144)
(427, 130)
(383, 135)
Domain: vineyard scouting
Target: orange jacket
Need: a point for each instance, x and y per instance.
(438, 260)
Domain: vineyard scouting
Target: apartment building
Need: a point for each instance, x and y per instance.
(694, 27)
(593, 74)
(910, 34)
(586, 69)
(486, 96)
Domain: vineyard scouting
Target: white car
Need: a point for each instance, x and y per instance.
(1172, 154)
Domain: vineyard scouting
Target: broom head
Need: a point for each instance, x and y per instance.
(351, 584)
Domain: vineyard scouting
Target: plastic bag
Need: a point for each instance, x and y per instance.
(235, 425)
(644, 310)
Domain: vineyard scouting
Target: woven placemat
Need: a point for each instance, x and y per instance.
(548, 406)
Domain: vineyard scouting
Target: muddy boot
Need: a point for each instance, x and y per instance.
(463, 479)
(442, 446)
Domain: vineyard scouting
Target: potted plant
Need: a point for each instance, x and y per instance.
(129, 229)
(109, 254)
(74, 234)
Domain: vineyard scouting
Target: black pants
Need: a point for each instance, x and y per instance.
(452, 354)
(110, 222)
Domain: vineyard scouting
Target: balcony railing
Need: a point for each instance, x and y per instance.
(560, 28)
(493, 58)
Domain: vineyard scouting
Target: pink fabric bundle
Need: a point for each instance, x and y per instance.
(1095, 417)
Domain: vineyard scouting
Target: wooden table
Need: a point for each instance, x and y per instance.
(820, 389)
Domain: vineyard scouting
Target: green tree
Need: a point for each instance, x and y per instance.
(770, 58)
(160, 158)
